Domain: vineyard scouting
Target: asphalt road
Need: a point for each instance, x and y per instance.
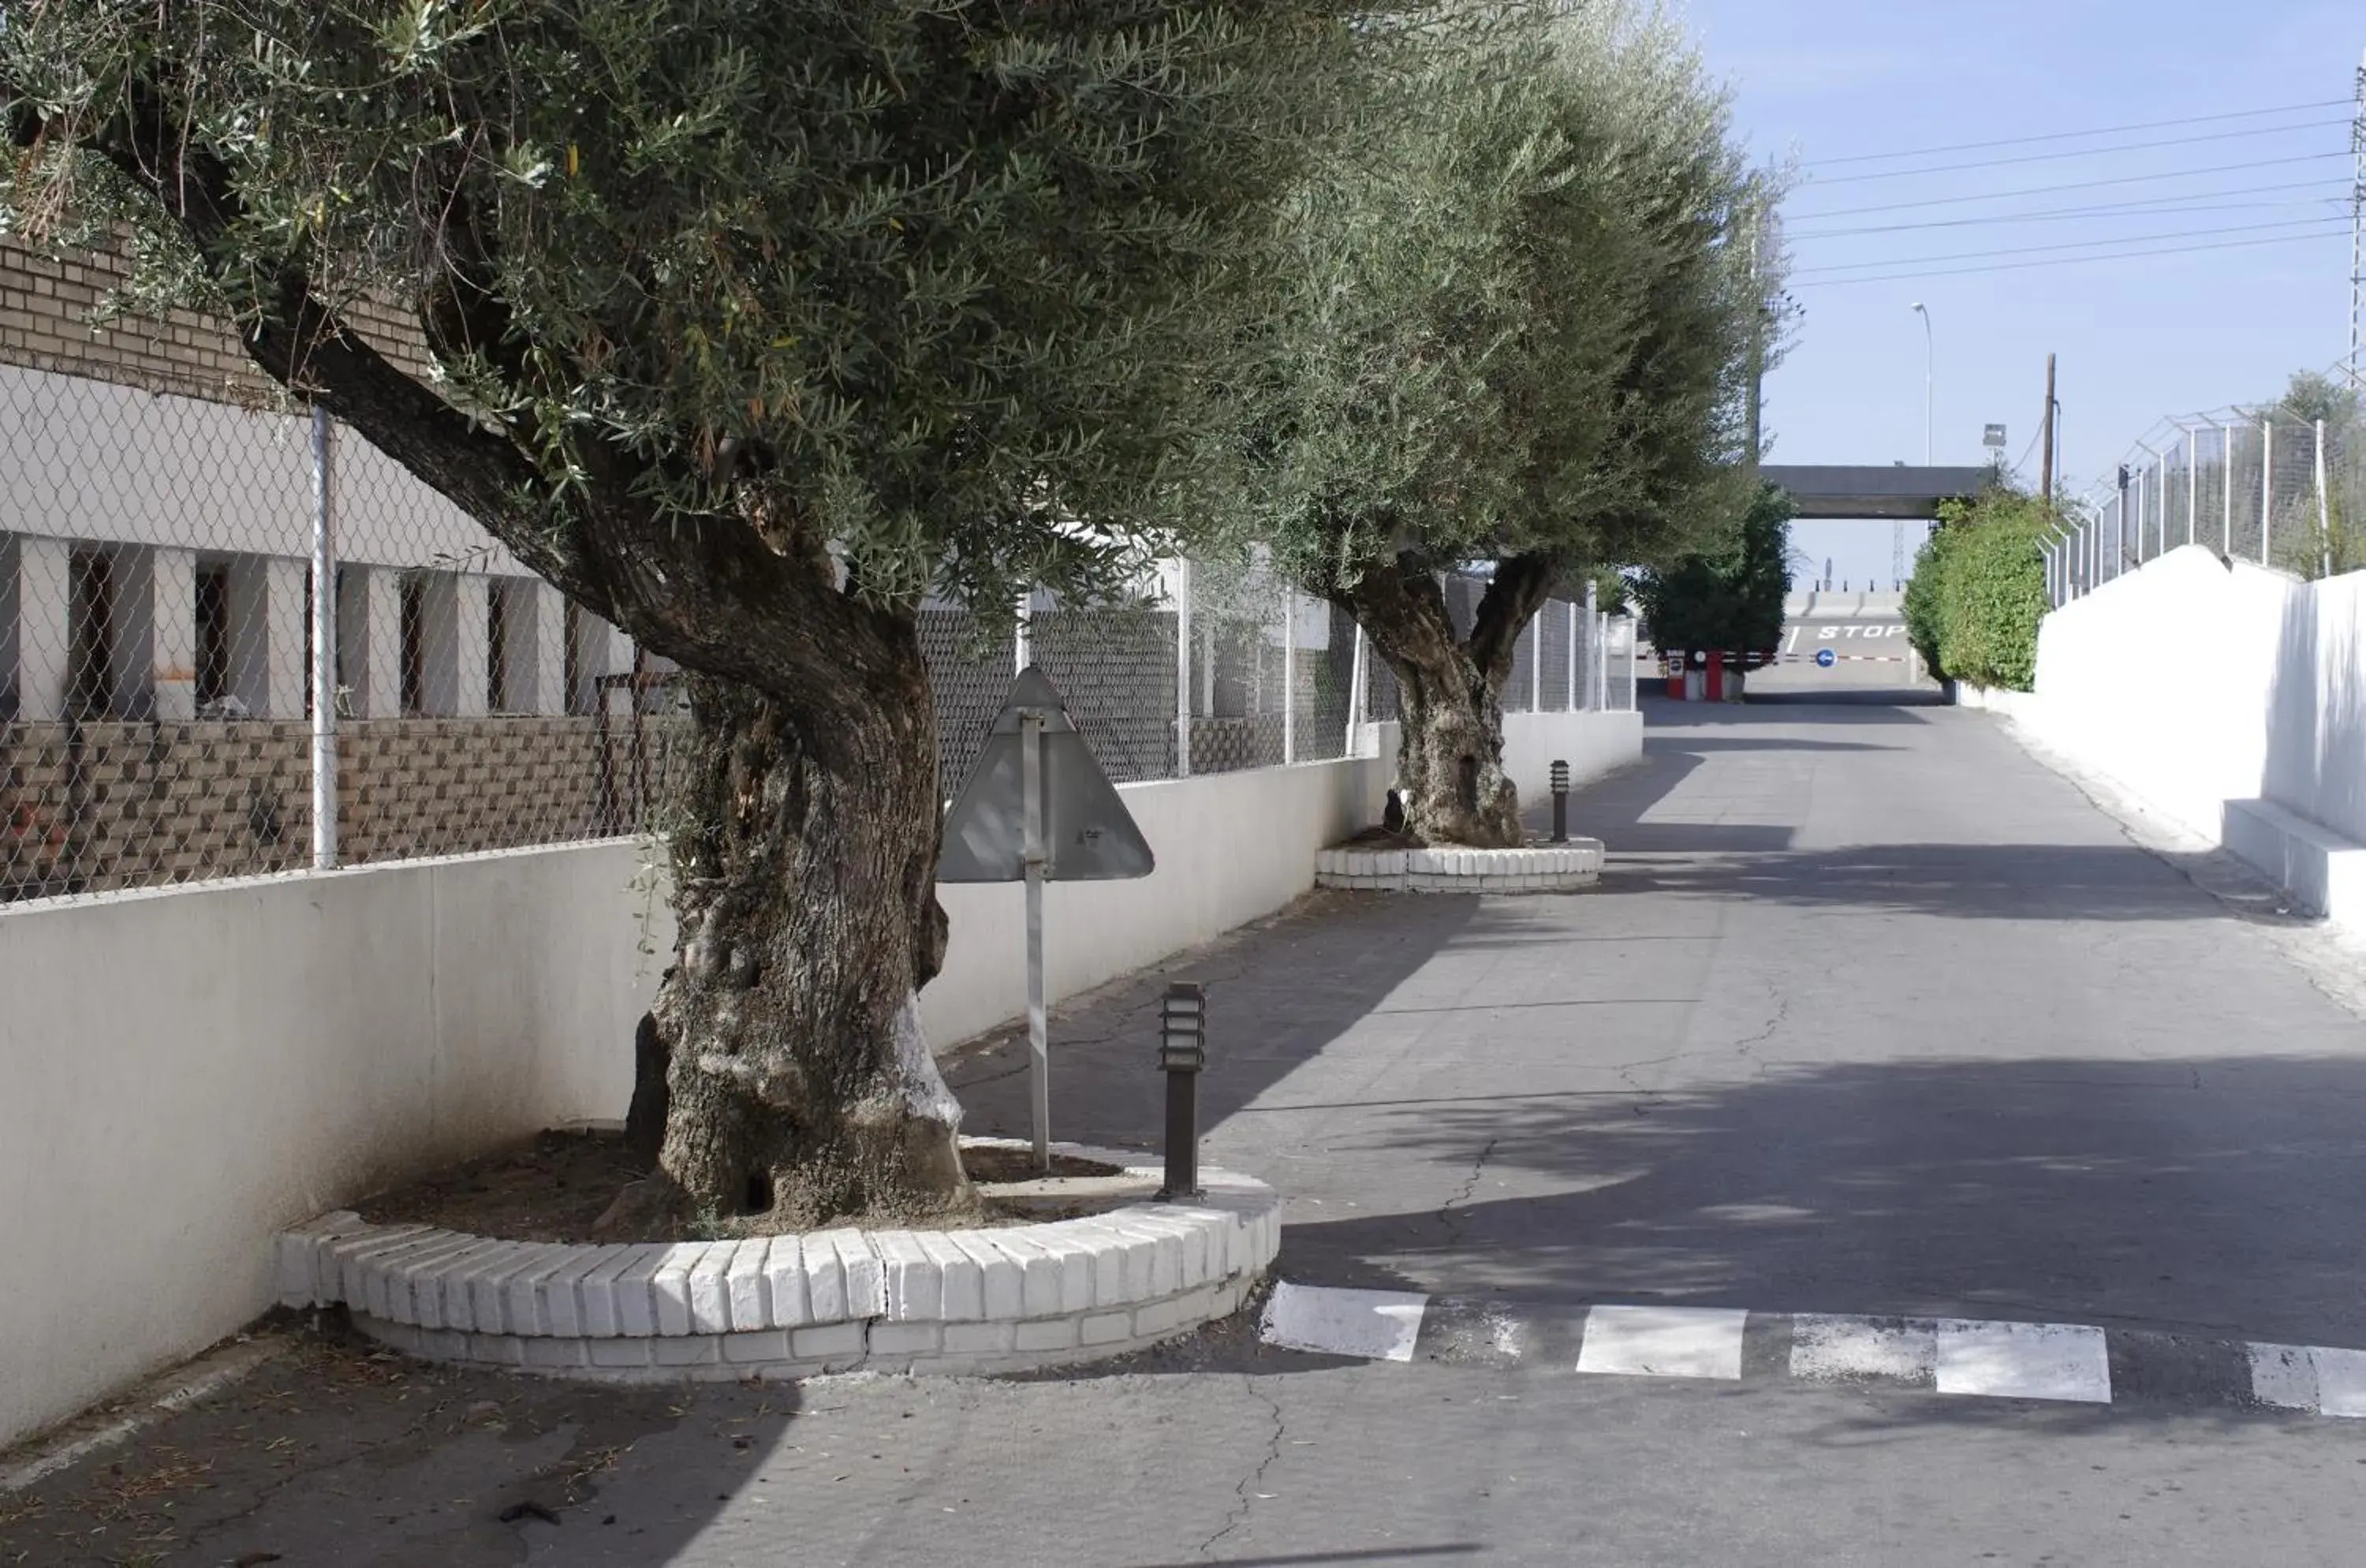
(1872, 1015)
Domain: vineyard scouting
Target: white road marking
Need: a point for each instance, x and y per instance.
(2023, 1361)
(1829, 1347)
(1377, 1325)
(2284, 1376)
(1662, 1342)
(2341, 1381)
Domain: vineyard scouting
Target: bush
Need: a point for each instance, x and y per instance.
(1978, 591)
(1733, 601)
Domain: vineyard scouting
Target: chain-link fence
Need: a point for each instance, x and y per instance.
(1568, 660)
(163, 714)
(236, 638)
(2260, 486)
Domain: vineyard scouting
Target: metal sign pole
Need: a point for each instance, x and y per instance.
(1039, 1054)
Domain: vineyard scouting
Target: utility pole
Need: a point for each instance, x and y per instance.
(2045, 445)
(2358, 233)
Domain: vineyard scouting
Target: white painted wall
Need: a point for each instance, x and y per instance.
(187, 1070)
(2199, 687)
(1592, 744)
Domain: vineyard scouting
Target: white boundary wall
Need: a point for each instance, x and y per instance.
(2230, 699)
(191, 1070)
(1592, 744)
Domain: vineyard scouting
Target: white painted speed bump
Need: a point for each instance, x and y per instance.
(2025, 1360)
(2341, 1381)
(1834, 1347)
(1375, 1325)
(1662, 1342)
(2284, 1376)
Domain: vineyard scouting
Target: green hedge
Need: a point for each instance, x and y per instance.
(1978, 591)
(1730, 601)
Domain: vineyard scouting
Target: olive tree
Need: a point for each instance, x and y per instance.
(750, 323)
(1519, 342)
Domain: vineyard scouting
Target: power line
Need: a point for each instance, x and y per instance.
(2075, 245)
(2146, 207)
(2079, 153)
(2071, 135)
(2064, 261)
(2074, 184)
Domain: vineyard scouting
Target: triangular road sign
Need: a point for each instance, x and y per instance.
(1089, 834)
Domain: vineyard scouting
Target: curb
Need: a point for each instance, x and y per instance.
(1541, 868)
(1012, 1298)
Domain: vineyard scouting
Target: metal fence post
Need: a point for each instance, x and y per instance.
(1358, 677)
(1183, 668)
(1536, 665)
(1570, 699)
(2267, 484)
(1288, 676)
(2323, 508)
(1594, 670)
(2226, 445)
(2192, 484)
(324, 651)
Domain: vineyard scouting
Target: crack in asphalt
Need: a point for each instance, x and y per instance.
(1774, 1025)
(1245, 1491)
(1445, 1214)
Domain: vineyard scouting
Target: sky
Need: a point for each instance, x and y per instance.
(1840, 88)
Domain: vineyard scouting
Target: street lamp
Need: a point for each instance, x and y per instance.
(1930, 376)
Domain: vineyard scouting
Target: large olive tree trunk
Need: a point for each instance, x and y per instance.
(1451, 693)
(797, 1079)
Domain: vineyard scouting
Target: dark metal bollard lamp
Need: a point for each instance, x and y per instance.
(1560, 802)
(1182, 1051)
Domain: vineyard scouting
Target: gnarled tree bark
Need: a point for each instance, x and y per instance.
(798, 1081)
(1450, 692)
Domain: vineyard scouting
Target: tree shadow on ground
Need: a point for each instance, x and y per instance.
(2032, 882)
(337, 1451)
(1871, 707)
(1277, 993)
(2212, 1194)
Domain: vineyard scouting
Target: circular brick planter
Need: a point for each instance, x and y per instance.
(1538, 868)
(1006, 1298)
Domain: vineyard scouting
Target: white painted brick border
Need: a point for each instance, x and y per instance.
(1538, 868)
(1012, 1299)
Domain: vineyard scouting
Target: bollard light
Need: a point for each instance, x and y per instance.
(1182, 1051)
(1560, 802)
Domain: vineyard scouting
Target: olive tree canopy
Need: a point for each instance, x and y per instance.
(751, 322)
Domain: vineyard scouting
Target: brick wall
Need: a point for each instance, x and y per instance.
(46, 305)
(99, 806)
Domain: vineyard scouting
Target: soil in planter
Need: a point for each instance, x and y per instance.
(557, 1186)
(1382, 839)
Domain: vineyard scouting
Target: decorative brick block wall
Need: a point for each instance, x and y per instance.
(99, 806)
(46, 305)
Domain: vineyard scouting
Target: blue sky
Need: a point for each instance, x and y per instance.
(1829, 80)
